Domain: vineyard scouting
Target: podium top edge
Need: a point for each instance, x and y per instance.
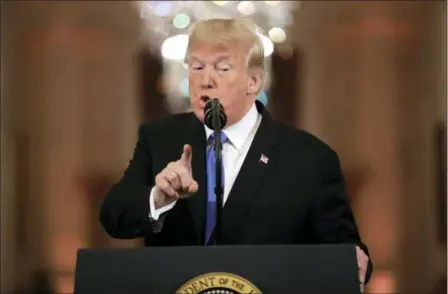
(226, 247)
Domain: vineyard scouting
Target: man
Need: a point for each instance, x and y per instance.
(281, 185)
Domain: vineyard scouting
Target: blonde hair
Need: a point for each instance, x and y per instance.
(226, 32)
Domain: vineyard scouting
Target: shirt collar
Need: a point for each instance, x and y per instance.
(238, 132)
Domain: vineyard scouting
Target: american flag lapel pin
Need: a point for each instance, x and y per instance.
(264, 159)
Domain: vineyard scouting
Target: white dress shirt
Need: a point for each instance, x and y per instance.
(240, 136)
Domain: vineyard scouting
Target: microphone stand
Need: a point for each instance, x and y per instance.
(218, 183)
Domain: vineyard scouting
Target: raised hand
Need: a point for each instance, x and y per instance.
(175, 181)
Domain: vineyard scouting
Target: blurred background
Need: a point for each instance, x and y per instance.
(77, 78)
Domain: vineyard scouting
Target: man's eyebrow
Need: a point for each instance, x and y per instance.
(194, 58)
(222, 57)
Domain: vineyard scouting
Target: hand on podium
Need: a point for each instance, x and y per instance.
(363, 261)
(175, 181)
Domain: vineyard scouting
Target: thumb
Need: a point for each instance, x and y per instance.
(186, 156)
(193, 188)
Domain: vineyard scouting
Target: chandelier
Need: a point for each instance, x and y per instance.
(166, 24)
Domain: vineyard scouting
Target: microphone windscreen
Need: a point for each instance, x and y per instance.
(214, 114)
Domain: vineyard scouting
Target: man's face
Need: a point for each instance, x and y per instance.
(220, 72)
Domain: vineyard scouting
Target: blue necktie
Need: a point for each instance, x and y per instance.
(211, 181)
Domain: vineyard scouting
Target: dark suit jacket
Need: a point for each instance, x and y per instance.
(298, 197)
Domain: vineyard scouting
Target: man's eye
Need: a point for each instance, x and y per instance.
(223, 69)
(197, 68)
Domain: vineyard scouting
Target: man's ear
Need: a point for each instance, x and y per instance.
(255, 81)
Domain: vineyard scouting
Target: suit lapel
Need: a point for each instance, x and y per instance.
(195, 136)
(252, 172)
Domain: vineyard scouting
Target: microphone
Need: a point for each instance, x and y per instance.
(214, 115)
(215, 118)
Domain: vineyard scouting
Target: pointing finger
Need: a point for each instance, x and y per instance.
(186, 156)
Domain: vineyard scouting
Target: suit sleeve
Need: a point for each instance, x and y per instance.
(125, 211)
(332, 217)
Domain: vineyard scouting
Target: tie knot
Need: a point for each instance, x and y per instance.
(221, 134)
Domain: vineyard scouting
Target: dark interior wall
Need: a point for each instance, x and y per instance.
(285, 94)
(153, 101)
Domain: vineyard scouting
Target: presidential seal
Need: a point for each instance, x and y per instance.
(218, 283)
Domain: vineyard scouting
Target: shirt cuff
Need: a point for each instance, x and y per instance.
(155, 213)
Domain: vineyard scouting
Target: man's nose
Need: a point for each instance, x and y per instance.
(207, 81)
